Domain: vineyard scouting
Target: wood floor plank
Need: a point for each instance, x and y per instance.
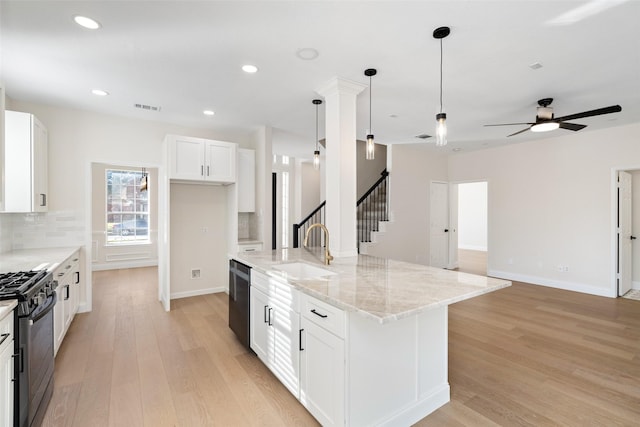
(523, 356)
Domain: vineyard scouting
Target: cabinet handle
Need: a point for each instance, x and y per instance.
(270, 322)
(4, 337)
(265, 313)
(318, 314)
(202, 170)
(300, 340)
(43, 198)
(77, 278)
(67, 291)
(207, 170)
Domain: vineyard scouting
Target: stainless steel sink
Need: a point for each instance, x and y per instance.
(301, 270)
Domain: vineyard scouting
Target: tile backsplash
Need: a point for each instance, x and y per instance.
(45, 230)
(247, 226)
(5, 233)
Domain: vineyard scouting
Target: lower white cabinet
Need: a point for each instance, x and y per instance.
(322, 373)
(68, 291)
(6, 370)
(275, 328)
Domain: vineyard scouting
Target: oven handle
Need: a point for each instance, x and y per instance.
(52, 302)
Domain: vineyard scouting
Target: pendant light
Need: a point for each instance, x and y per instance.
(441, 118)
(316, 153)
(371, 146)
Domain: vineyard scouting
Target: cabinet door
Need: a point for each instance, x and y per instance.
(6, 385)
(220, 161)
(187, 159)
(286, 358)
(322, 383)
(40, 169)
(261, 325)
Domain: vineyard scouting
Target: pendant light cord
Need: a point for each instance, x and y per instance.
(370, 96)
(441, 75)
(317, 148)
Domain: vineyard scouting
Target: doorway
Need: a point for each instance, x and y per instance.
(472, 208)
(627, 219)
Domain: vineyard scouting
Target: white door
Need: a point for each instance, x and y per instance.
(624, 233)
(453, 226)
(439, 227)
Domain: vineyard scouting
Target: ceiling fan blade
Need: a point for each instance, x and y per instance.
(591, 113)
(571, 126)
(512, 124)
(520, 131)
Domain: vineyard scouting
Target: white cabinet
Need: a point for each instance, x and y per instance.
(6, 370)
(322, 362)
(68, 291)
(275, 328)
(246, 180)
(203, 160)
(250, 247)
(25, 163)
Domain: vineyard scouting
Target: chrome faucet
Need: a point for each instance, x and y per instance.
(327, 256)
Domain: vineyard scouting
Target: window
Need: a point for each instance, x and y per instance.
(127, 208)
(285, 209)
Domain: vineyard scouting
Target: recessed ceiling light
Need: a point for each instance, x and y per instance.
(535, 66)
(457, 149)
(208, 112)
(307, 53)
(393, 116)
(250, 69)
(86, 22)
(100, 92)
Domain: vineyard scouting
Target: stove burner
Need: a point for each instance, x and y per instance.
(17, 284)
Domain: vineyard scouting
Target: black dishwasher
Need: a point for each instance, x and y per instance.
(239, 280)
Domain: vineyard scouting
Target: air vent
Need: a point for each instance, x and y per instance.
(423, 136)
(147, 107)
(535, 66)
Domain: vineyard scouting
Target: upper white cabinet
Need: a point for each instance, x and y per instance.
(204, 160)
(246, 180)
(25, 163)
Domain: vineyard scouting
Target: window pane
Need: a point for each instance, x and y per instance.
(127, 209)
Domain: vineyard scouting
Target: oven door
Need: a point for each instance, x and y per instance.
(35, 365)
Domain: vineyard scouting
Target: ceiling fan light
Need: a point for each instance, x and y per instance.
(441, 129)
(545, 127)
(371, 148)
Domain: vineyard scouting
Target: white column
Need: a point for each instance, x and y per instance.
(340, 177)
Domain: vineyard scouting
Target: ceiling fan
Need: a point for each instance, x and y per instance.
(545, 121)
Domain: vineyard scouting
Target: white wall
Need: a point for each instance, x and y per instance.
(472, 216)
(635, 227)
(310, 190)
(412, 171)
(550, 205)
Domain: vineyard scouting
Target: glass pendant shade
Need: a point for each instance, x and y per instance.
(441, 129)
(371, 148)
(316, 160)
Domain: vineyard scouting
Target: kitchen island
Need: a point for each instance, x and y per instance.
(360, 342)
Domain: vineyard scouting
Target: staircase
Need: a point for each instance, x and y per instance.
(372, 214)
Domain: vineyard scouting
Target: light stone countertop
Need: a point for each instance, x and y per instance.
(29, 259)
(378, 288)
(7, 307)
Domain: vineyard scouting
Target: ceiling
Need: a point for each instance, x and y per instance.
(186, 56)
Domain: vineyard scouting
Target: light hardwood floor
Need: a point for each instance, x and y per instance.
(525, 355)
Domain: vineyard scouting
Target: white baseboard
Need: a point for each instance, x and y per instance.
(635, 285)
(124, 264)
(473, 248)
(198, 292)
(553, 283)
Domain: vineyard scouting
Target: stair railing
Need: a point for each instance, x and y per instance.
(372, 208)
(299, 230)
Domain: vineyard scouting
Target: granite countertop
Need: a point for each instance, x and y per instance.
(382, 289)
(7, 307)
(34, 259)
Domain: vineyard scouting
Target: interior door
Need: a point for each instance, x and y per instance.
(624, 233)
(439, 227)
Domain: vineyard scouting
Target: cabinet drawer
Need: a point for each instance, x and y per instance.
(325, 315)
(249, 247)
(6, 330)
(260, 281)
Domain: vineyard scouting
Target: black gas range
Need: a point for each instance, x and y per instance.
(33, 340)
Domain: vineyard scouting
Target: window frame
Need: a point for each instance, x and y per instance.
(135, 200)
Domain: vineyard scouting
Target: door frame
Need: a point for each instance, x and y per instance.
(614, 225)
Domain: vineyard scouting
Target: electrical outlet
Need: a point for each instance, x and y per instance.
(560, 268)
(195, 273)
(565, 269)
